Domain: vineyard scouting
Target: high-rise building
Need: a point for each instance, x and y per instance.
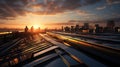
(62, 28)
(67, 29)
(98, 29)
(77, 28)
(72, 29)
(109, 27)
(110, 24)
(86, 26)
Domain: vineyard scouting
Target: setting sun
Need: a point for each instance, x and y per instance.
(36, 26)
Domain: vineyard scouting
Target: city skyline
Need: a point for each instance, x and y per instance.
(60, 33)
(46, 13)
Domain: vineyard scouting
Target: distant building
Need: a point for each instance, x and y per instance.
(72, 29)
(85, 28)
(110, 24)
(77, 28)
(109, 27)
(98, 29)
(62, 28)
(67, 29)
(117, 29)
(91, 31)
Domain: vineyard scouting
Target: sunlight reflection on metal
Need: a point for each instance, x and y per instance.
(5, 32)
(49, 49)
(66, 44)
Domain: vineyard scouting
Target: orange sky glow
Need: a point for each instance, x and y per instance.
(56, 13)
(29, 20)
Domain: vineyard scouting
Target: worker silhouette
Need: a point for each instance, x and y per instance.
(32, 32)
(32, 29)
(26, 29)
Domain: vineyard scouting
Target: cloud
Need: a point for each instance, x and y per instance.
(62, 23)
(11, 8)
(101, 8)
(61, 6)
(14, 8)
(110, 2)
(70, 4)
(87, 2)
(83, 13)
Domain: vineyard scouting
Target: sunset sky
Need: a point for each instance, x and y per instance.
(51, 13)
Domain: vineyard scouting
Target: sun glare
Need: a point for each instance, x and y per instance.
(36, 26)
